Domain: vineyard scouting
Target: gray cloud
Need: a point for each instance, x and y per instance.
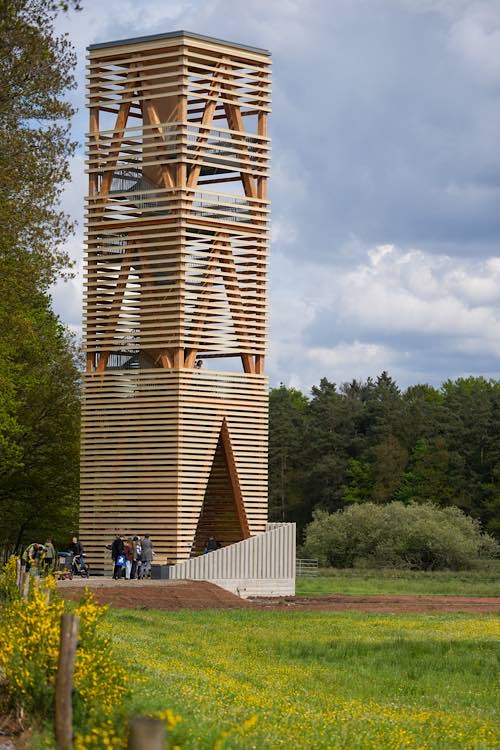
(392, 132)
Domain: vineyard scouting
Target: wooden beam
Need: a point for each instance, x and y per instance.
(115, 308)
(163, 357)
(231, 282)
(222, 248)
(154, 119)
(94, 149)
(178, 358)
(259, 364)
(166, 360)
(203, 309)
(116, 141)
(235, 482)
(262, 131)
(206, 121)
(181, 169)
(235, 122)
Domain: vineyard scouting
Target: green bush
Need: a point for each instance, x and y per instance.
(420, 537)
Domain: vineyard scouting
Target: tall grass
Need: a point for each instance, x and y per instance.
(315, 680)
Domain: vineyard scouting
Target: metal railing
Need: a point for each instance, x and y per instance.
(307, 567)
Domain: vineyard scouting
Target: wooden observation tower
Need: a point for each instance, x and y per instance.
(174, 436)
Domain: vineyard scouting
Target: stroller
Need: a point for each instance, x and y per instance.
(69, 565)
(79, 567)
(63, 570)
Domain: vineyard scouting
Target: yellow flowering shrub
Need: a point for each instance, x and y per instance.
(29, 648)
(8, 589)
(100, 683)
(29, 652)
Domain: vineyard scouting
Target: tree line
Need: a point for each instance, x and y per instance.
(39, 376)
(371, 441)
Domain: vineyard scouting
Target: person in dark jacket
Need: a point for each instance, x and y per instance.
(146, 556)
(117, 549)
(211, 545)
(75, 547)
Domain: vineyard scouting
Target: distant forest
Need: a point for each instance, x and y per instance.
(372, 441)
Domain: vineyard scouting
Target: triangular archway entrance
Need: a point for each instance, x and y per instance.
(222, 513)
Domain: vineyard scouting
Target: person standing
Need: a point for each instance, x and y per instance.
(50, 556)
(76, 547)
(129, 557)
(117, 556)
(28, 556)
(211, 545)
(136, 564)
(33, 557)
(147, 556)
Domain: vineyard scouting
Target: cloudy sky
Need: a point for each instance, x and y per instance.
(385, 183)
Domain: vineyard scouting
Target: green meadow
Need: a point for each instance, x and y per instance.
(483, 582)
(257, 679)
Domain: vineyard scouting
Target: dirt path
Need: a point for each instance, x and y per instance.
(155, 594)
(388, 603)
(175, 595)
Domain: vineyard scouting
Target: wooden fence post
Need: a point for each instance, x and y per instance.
(25, 585)
(18, 573)
(63, 717)
(146, 733)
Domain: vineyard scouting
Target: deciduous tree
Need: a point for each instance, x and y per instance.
(38, 376)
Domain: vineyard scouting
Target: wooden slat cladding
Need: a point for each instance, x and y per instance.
(177, 224)
(172, 262)
(173, 69)
(181, 287)
(148, 447)
(192, 143)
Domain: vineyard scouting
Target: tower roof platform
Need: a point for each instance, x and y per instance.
(181, 34)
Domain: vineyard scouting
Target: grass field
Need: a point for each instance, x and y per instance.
(464, 583)
(250, 679)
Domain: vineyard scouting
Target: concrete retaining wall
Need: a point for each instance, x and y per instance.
(263, 565)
